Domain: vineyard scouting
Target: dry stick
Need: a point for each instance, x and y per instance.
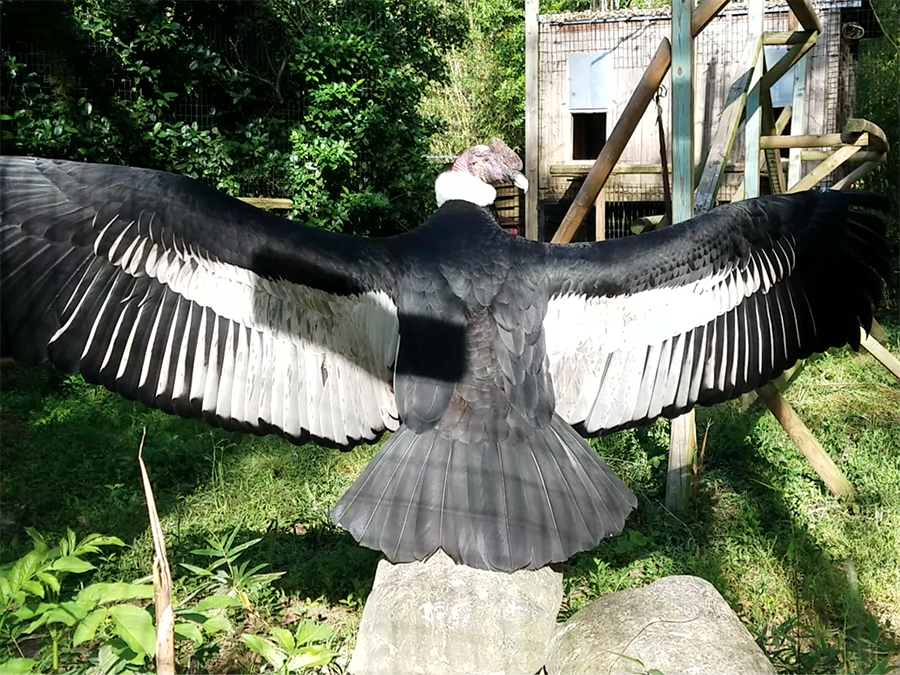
(162, 580)
(805, 441)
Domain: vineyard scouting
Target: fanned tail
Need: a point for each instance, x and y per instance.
(536, 497)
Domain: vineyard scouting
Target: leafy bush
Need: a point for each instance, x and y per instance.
(313, 101)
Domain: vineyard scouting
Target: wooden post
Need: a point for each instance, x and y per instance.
(532, 135)
(615, 144)
(805, 14)
(805, 441)
(753, 124)
(726, 130)
(683, 435)
(798, 120)
(600, 217)
(780, 125)
(888, 360)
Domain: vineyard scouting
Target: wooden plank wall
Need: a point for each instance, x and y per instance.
(632, 40)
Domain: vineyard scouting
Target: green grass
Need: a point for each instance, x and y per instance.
(815, 578)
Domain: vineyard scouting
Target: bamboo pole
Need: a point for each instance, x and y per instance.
(815, 454)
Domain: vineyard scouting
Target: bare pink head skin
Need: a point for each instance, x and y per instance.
(493, 164)
(477, 171)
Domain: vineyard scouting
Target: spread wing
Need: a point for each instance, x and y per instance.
(168, 291)
(711, 308)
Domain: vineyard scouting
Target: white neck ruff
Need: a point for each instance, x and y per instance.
(464, 186)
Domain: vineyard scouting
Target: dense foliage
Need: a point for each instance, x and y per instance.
(316, 101)
(878, 100)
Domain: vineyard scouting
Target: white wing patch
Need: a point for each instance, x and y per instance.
(615, 359)
(295, 357)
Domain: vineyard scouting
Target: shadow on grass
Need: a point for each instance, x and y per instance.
(805, 606)
(69, 460)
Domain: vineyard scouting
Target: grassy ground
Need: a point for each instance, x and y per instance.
(816, 579)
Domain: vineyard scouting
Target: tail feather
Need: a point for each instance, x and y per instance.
(535, 497)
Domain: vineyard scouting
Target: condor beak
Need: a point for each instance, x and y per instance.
(519, 180)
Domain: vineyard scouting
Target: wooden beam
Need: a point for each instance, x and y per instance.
(857, 173)
(600, 217)
(798, 119)
(753, 113)
(683, 434)
(877, 137)
(822, 155)
(788, 37)
(634, 110)
(726, 130)
(780, 126)
(805, 441)
(532, 128)
(806, 141)
(805, 14)
(615, 144)
(705, 12)
(882, 355)
(572, 170)
(268, 203)
(772, 158)
(784, 64)
(877, 330)
(815, 176)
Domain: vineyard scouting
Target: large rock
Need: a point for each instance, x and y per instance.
(677, 625)
(439, 617)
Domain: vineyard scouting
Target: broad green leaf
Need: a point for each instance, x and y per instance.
(115, 592)
(284, 638)
(310, 657)
(310, 631)
(135, 626)
(50, 580)
(69, 612)
(31, 610)
(33, 587)
(216, 624)
(264, 648)
(18, 666)
(189, 630)
(25, 568)
(216, 602)
(102, 540)
(71, 563)
(87, 628)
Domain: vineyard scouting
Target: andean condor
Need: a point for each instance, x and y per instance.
(482, 352)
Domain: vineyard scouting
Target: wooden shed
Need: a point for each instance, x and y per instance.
(590, 62)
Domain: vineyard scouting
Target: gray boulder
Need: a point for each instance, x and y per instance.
(440, 617)
(679, 625)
